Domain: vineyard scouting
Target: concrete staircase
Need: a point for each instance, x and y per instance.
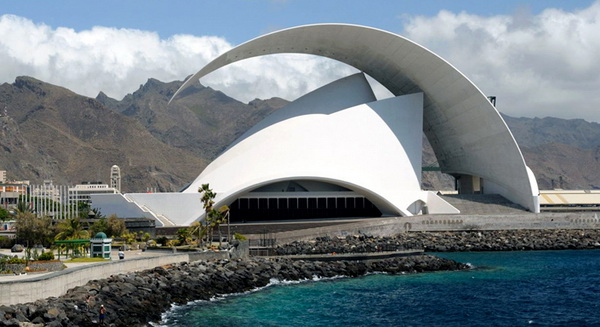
(482, 204)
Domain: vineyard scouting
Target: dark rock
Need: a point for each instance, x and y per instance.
(135, 299)
(507, 240)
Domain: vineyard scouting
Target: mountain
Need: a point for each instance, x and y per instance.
(533, 132)
(53, 133)
(201, 121)
(50, 132)
(564, 166)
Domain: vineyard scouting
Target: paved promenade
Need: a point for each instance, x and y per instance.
(129, 255)
(34, 286)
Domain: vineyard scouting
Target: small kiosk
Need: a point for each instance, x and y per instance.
(100, 246)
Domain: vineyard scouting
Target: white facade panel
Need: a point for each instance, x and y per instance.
(373, 149)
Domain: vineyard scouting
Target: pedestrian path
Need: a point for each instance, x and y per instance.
(114, 255)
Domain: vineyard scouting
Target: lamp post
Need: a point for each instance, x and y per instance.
(228, 228)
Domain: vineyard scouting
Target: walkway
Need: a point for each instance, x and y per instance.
(129, 255)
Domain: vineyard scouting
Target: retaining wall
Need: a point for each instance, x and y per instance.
(57, 283)
(35, 266)
(394, 225)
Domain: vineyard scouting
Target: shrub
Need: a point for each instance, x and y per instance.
(239, 237)
(15, 260)
(6, 242)
(162, 240)
(46, 256)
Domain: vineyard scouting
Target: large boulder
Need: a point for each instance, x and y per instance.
(17, 248)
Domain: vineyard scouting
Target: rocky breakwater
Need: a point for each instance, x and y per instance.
(501, 240)
(138, 298)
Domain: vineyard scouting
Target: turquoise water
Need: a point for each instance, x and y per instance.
(550, 288)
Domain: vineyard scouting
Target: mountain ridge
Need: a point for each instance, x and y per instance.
(53, 133)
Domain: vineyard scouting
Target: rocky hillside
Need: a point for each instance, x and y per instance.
(201, 121)
(53, 133)
(50, 132)
(563, 153)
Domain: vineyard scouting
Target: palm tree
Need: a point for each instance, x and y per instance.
(214, 217)
(71, 229)
(22, 206)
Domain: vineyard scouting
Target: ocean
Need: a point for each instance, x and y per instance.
(533, 288)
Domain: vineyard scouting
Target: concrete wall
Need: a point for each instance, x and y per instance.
(393, 226)
(57, 284)
(36, 266)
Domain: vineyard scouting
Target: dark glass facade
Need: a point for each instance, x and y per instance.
(261, 209)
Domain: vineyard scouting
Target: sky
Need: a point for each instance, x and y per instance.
(539, 58)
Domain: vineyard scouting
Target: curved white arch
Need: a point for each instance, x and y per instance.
(467, 133)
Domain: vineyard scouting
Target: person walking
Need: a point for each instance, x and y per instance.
(89, 302)
(102, 314)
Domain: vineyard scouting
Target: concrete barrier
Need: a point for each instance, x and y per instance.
(391, 226)
(57, 283)
(354, 256)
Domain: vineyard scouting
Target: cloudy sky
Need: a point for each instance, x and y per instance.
(540, 58)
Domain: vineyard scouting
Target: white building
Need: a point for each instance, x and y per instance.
(47, 190)
(339, 151)
(82, 192)
(115, 178)
(10, 191)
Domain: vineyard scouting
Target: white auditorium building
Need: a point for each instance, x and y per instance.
(339, 152)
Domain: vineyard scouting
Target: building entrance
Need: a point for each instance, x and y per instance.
(287, 208)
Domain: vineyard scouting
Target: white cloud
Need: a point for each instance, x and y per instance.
(112, 60)
(542, 65)
(287, 76)
(117, 61)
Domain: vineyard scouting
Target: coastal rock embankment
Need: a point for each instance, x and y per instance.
(135, 299)
(489, 240)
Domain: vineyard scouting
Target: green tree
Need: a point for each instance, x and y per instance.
(218, 217)
(184, 236)
(83, 208)
(214, 217)
(116, 227)
(22, 206)
(143, 236)
(4, 214)
(35, 204)
(97, 213)
(197, 231)
(98, 226)
(128, 237)
(71, 229)
(33, 230)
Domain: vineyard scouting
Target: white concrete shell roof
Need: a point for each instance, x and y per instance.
(467, 133)
(337, 134)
